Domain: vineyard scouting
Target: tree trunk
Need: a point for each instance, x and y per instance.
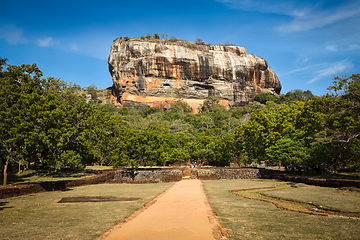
(5, 173)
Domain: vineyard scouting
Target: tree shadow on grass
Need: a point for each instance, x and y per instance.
(36, 175)
(3, 205)
(16, 179)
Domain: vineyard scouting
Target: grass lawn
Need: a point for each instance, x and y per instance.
(253, 219)
(333, 198)
(97, 167)
(39, 216)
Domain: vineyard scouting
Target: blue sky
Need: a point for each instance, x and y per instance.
(306, 43)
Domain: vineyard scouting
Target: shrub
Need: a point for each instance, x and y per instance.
(265, 97)
(199, 41)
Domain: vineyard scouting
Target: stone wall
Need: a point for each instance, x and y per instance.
(229, 173)
(167, 175)
(153, 176)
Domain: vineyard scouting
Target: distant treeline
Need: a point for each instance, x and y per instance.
(47, 123)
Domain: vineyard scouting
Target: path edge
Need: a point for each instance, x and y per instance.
(218, 231)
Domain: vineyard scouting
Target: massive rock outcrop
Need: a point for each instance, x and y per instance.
(158, 72)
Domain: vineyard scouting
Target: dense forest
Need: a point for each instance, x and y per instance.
(47, 123)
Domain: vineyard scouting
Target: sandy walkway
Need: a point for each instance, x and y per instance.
(181, 212)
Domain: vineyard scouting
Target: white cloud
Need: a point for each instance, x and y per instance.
(12, 34)
(332, 70)
(275, 6)
(73, 46)
(303, 69)
(306, 14)
(46, 42)
(331, 48)
(302, 60)
(354, 46)
(291, 8)
(319, 18)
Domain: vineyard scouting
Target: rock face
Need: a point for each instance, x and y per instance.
(157, 73)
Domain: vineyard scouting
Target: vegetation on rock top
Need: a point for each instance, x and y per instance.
(165, 37)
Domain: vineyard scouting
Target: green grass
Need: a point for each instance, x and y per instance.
(97, 167)
(254, 219)
(333, 198)
(39, 216)
(35, 176)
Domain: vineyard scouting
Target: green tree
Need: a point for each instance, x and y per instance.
(265, 97)
(296, 95)
(180, 155)
(93, 91)
(209, 104)
(42, 121)
(252, 107)
(20, 86)
(330, 126)
(178, 110)
(265, 127)
(199, 41)
(288, 152)
(341, 124)
(173, 38)
(346, 104)
(164, 36)
(2, 62)
(224, 150)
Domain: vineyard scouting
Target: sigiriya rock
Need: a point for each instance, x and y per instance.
(158, 72)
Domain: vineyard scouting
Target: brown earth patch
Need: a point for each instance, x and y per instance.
(95, 199)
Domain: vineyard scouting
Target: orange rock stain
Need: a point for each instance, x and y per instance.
(166, 102)
(255, 85)
(176, 73)
(153, 82)
(224, 103)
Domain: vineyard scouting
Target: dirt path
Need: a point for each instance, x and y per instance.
(182, 212)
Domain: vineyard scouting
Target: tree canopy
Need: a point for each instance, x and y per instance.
(47, 123)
